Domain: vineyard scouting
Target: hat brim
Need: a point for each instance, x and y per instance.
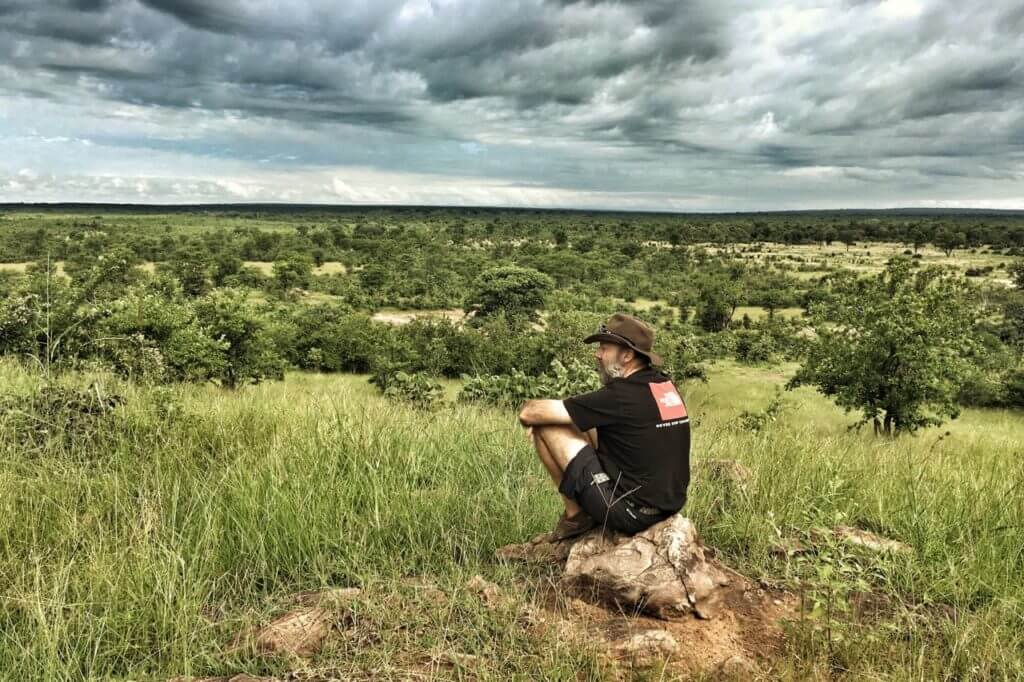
(603, 337)
(654, 357)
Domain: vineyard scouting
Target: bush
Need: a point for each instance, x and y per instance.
(247, 352)
(149, 337)
(53, 415)
(1013, 391)
(500, 346)
(335, 339)
(419, 390)
(756, 421)
(690, 372)
(510, 390)
(983, 389)
(753, 347)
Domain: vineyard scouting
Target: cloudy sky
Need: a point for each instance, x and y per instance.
(666, 105)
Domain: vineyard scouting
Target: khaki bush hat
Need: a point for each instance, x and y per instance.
(628, 331)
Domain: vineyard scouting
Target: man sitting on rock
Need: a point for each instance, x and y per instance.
(619, 455)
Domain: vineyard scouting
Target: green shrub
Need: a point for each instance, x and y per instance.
(516, 291)
(419, 390)
(510, 390)
(149, 337)
(247, 353)
(52, 415)
(1013, 391)
(757, 420)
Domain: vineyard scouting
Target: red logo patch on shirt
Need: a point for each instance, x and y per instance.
(670, 405)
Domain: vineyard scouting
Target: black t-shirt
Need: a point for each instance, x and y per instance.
(643, 436)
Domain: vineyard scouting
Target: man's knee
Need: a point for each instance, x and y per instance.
(562, 440)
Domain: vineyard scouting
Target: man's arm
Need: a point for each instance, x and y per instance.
(540, 412)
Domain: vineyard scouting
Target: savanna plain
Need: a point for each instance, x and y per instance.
(206, 412)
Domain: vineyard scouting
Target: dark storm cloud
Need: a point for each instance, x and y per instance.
(526, 51)
(222, 16)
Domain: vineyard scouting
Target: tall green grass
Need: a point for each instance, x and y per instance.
(138, 553)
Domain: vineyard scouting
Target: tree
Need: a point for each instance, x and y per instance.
(675, 236)
(1017, 274)
(584, 244)
(714, 312)
(373, 277)
(148, 335)
(191, 265)
(106, 275)
(773, 293)
(631, 249)
(248, 352)
(896, 346)
(685, 300)
(294, 271)
(226, 264)
(719, 298)
(849, 236)
(918, 237)
(948, 241)
(518, 292)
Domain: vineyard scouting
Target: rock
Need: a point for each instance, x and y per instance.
(488, 592)
(336, 596)
(582, 611)
(787, 547)
(426, 590)
(241, 677)
(648, 646)
(463, 660)
(738, 667)
(543, 549)
(299, 633)
(532, 616)
(302, 631)
(868, 540)
(721, 470)
(661, 570)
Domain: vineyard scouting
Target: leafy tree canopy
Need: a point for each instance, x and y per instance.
(517, 291)
(897, 346)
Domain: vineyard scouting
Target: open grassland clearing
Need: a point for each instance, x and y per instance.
(810, 261)
(140, 549)
(267, 267)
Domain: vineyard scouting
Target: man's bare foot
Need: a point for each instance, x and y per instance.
(571, 526)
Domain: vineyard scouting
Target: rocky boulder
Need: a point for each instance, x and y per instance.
(662, 571)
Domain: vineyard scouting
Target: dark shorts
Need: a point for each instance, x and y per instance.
(609, 504)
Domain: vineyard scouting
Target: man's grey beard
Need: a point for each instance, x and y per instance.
(614, 371)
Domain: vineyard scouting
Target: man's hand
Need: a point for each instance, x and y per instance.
(538, 412)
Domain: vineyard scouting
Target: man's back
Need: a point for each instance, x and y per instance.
(643, 436)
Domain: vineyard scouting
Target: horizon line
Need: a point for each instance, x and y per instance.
(909, 210)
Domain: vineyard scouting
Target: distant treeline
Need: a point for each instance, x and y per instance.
(268, 232)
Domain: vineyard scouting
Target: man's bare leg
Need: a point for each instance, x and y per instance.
(571, 508)
(557, 445)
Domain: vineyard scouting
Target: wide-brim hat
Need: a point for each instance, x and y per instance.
(628, 331)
